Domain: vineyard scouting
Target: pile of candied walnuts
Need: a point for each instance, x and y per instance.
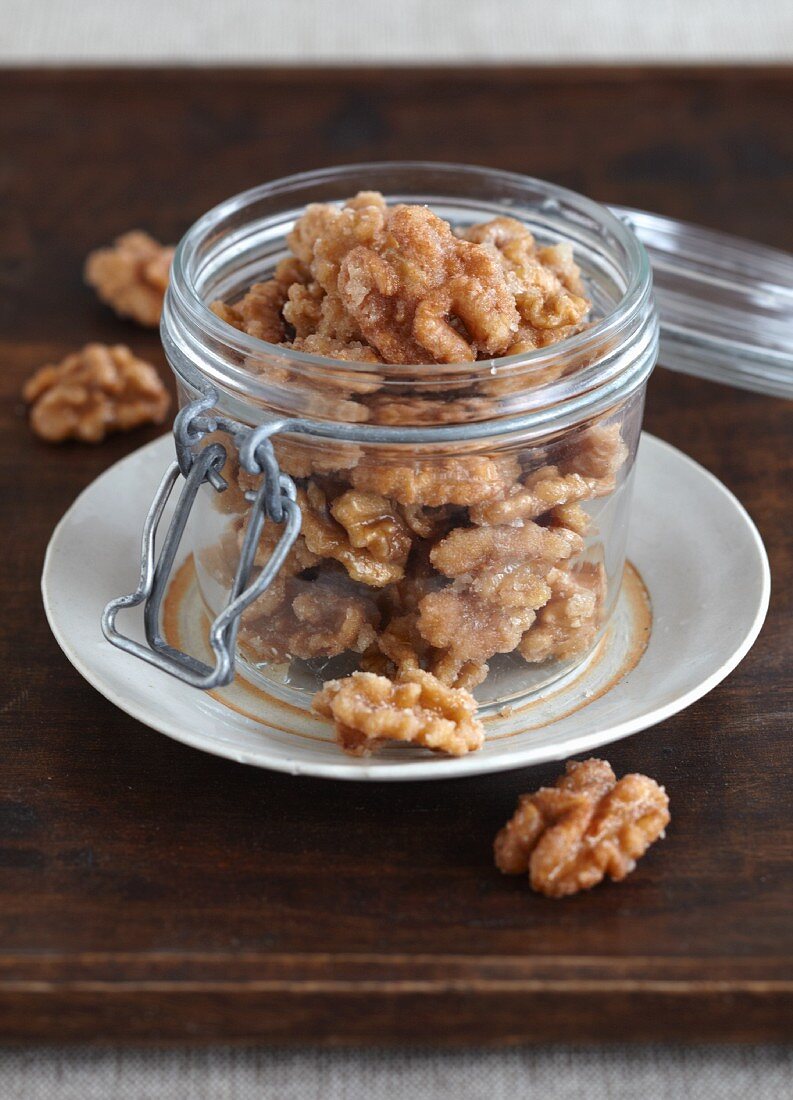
(434, 564)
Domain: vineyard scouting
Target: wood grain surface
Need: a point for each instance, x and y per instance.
(149, 893)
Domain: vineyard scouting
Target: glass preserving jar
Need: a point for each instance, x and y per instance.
(467, 518)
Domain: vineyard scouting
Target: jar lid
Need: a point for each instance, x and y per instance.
(725, 304)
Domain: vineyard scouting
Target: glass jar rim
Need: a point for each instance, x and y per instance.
(186, 306)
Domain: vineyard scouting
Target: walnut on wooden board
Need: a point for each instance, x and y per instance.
(589, 825)
(132, 276)
(95, 391)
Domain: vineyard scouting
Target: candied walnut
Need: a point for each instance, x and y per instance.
(303, 308)
(542, 490)
(93, 392)
(322, 617)
(328, 538)
(545, 282)
(435, 482)
(132, 276)
(487, 550)
(368, 710)
(467, 628)
(468, 676)
(500, 583)
(402, 643)
(588, 825)
(404, 648)
(572, 516)
(373, 523)
(514, 585)
(419, 294)
(258, 313)
(352, 352)
(567, 625)
(596, 455)
(323, 236)
(402, 409)
(301, 458)
(429, 523)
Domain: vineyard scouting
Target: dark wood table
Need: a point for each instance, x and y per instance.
(152, 893)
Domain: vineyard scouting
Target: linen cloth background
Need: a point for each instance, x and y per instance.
(370, 32)
(255, 31)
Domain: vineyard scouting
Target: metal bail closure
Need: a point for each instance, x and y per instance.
(274, 499)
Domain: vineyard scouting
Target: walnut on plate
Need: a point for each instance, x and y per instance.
(588, 825)
(93, 392)
(368, 710)
(132, 276)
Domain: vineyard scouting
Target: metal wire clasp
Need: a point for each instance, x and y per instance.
(274, 500)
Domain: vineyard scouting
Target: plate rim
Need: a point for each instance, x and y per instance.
(436, 767)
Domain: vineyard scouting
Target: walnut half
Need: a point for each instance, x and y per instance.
(368, 709)
(132, 276)
(93, 392)
(588, 825)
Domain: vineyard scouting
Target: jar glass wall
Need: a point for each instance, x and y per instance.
(469, 518)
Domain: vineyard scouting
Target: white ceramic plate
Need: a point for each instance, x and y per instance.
(693, 544)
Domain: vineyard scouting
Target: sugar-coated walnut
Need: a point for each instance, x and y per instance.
(420, 294)
(542, 490)
(597, 454)
(588, 825)
(373, 523)
(258, 313)
(545, 283)
(568, 624)
(301, 458)
(328, 538)
(402, 409)
(572, 516)
(401, 642)
(467, 628)
(323, 236)
(586, 468)
(429, 523)
(352, 351)
(132, 276)
(373, 283)
(93, 392)
(322, 617)
(435, 482)
(368, 710)
(477, 550)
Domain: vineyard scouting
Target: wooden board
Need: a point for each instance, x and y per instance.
(152, 893)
